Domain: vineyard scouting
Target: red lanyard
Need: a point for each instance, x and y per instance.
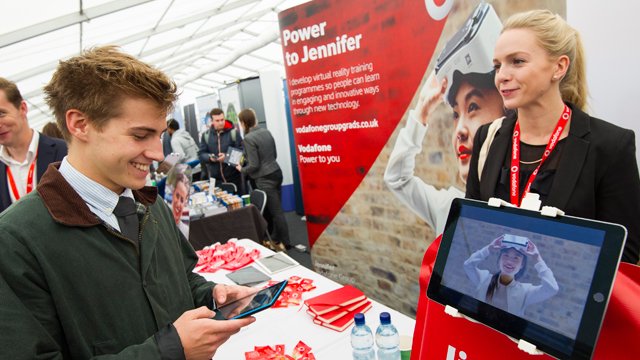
(515, 156)
(12, 182)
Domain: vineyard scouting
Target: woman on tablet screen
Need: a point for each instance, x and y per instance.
(502, 289)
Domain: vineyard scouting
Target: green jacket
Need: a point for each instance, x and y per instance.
(72, 287)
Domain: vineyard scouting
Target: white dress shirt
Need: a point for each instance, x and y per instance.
(101, 201)
(20, 170)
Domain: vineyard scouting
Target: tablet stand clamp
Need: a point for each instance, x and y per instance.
(530, 202)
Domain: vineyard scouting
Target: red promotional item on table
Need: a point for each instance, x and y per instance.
(336, 314)
(335, 299)
(229, 256)
(440, 336)
(292, 293)
(301, 351)
(343, 322)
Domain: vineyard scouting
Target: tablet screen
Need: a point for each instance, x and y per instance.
(248, 276)
(541, 279)
(276, 262)
(257, 301)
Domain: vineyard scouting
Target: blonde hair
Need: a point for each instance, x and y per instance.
(557, 38)
(97, 81)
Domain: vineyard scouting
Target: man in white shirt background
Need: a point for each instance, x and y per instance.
(24, 153)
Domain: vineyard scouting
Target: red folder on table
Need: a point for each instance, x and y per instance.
(338, 313)
(345, 321)
(334, 300)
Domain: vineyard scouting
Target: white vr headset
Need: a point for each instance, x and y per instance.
(470, 50)
(519, 243)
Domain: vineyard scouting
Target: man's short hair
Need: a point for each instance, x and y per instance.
(216, 111)
(173, 124)
(11, 91)
(98, 80)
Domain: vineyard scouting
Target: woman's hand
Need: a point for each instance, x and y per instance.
(532, 250)
(239, 167)
(496, 244)
(430, 97)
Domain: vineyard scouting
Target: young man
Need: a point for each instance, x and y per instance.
(81, 276)
(24, 153)
(213, 147)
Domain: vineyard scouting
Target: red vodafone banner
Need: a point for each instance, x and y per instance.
(352, 69)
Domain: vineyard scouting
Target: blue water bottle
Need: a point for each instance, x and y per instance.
(387, 339)
(362, 340)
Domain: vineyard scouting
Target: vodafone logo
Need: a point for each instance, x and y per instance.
(438, 12)
(514, 169)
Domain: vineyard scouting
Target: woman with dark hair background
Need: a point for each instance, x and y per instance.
(265, 174)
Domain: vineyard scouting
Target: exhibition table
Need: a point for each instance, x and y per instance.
(289, 325)
(246, 222)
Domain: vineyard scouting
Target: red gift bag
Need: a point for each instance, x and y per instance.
(440, 336)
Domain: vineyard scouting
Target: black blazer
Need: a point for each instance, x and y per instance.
(597, 175)
(49, 150)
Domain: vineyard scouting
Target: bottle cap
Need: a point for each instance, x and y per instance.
(385, 318)
(359, 319)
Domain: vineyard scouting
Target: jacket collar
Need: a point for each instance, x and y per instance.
(569, 168)
(67, 207)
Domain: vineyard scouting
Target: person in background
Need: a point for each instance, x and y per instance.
(50, 129)
(179, 200)
(265, 173)
(582, 165)
(214, 145)
(467, 87)
(24, 153)
(182, 142)
(92, 262)
(475, 101)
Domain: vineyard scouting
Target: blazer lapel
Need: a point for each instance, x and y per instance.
(5, 199)
(571, 161)
(493, 165)
(46, 155)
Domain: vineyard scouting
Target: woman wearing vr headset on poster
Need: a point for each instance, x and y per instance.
(502, 289)
(549, 146)
(464, 79)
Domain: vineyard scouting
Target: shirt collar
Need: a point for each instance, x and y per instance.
(31, 152)
(93, 193)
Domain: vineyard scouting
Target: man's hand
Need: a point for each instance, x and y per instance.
(227, 293)
(201, 336)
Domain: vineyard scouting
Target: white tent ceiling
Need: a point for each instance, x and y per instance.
(201, 44)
